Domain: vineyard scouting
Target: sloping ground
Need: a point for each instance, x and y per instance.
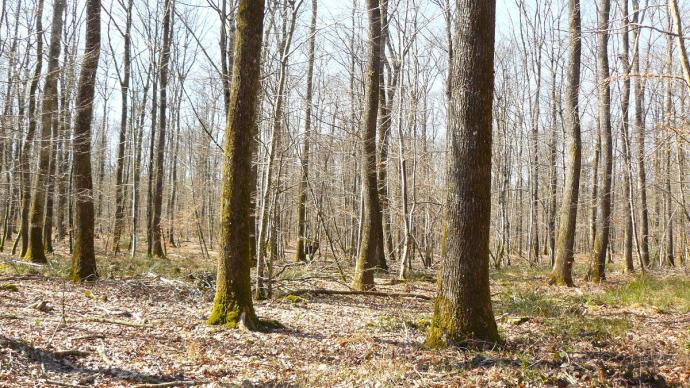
(151, 330)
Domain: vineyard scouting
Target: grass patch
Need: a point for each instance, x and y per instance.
(665, 294)
(589, 327)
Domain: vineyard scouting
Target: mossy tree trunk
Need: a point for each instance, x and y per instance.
(601, 238)
(563, 265)
(370, 244)
(156, 231)
(83, 254)
(233, 300)
(462, 310)
(35, 251)
(25, 155)
(300, 254)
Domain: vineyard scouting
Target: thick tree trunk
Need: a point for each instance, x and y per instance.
(462, 310)
(35, 250)
(83, 256)
(233, 300)
(25, 155)
(563, 266)
(370, 243)
(601, 240)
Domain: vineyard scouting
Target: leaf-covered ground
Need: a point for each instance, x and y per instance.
(144, 323)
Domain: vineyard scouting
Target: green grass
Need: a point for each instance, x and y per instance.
(666, 294)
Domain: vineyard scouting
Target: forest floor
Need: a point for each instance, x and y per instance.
(144, 323)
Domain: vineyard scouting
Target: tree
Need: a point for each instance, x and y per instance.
(601, 239)
(304, 181)
(639, 125)
(563, 266)
(232, 304)
(83, 255)
(157, 242)
(462, 310)
(627, 157)
(370, 244)
(124, 89)
(35, 250)
(29, 138)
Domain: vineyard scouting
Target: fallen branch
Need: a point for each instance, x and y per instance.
(71, 352)
(168, 384)
(112, 321)
(365, 293)
(8, 316)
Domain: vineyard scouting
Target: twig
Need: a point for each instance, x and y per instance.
(71, 352)
(366, 293)
(112, 321)
(168, 384)
(61, 384)
(8, 316)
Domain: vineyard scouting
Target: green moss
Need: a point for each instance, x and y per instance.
(225, 313)
(294, 299)
(9, 287)
(89, 294)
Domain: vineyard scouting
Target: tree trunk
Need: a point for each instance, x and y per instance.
(83, 256)
(601, 240)
(627, 157)
(563, 266)
(462, 310)
(232, 304)
(156, 240)
(35, 251)
(302, 208)
(639, 125)
(369, 245)
(25, 155)
(120, 167)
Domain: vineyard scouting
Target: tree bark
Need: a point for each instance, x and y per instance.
(35, 250)
(601, 241)
(156, 231)
(639, 125)
(233, 300)
(563, 266)
(300, 254)
(120, 167)
(462, 310)
(25, 163)
(369, 245)
(83, 255)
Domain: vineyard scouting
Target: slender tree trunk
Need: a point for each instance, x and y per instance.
(83, 256)
(601, 240)
(156, 240)
(120, 167)
(462, 310)
(369, 245)
(563, 266)
(639, 125)
(232, 304)
(627, 157)
(304, 181)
